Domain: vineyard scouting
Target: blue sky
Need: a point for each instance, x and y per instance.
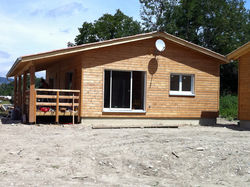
(32, 26)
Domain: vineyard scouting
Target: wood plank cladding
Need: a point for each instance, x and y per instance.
(57, 72)
(244, 87)
(159, 104)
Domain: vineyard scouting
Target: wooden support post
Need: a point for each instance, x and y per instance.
(57, 107)
(19, 91)
(24, 93)
(15, 90)
(35, 104)
(73, 109)
(80, 101)
(32, 100)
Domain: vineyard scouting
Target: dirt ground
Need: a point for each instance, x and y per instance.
(52, 155)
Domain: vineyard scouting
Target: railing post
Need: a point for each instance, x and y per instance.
(57, 107)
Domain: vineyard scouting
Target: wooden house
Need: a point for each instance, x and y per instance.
(123, 82)
(242, 54)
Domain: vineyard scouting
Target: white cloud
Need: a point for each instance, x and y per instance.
(20, 38)
(68, 9)
(29, 26)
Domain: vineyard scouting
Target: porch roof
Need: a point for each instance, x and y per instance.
(23, 63)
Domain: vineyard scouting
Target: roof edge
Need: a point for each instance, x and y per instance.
(94, 45)
(116, 41)
(194, 46)
(18, 60)
(234, 55)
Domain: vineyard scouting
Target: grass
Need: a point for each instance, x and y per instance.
(229, 107)
(5, 102)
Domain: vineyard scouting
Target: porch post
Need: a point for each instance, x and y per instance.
(80, 111)
(32, 99)
(15, 90)
(19, 91)
(24, 93)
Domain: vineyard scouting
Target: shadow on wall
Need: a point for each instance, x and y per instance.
(208, 118)
(152, 68)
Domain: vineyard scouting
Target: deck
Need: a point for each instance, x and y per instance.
(54, 102)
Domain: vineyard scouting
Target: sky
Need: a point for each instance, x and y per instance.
(33, 26)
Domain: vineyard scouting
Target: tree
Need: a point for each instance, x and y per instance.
(108, 27)
(218, 25)
(70, 44)
(87, 34)
(159, 15)
(221, 26)
(8, 88)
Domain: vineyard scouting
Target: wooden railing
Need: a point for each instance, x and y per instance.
(56, 102)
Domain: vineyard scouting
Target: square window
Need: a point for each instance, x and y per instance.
(181, 84)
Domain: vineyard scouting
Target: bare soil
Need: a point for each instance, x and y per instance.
(51, 155)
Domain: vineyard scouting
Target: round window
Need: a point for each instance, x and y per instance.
(160, 45)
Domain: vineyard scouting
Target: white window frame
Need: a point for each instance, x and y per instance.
(124, 110)
(180, 92)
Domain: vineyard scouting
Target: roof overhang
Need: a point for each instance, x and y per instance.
(25, 62)
(236, 54)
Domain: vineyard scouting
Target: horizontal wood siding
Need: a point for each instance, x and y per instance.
(244, 87)
(138, 56)
(58, 70)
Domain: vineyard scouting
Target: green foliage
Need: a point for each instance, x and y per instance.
(87, 34)
(108, 27)
(7, 89)
(218, 25)
(221, 26)
(229, 78)
(229, 107)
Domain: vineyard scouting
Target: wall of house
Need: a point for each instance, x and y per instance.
(58, 72)
(244, 87)
(159, 104)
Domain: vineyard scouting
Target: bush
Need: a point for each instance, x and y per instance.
(229, 107)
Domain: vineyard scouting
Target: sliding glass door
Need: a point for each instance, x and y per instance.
(124, 90)
(121, 86)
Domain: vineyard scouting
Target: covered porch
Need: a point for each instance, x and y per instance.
(61, 97)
